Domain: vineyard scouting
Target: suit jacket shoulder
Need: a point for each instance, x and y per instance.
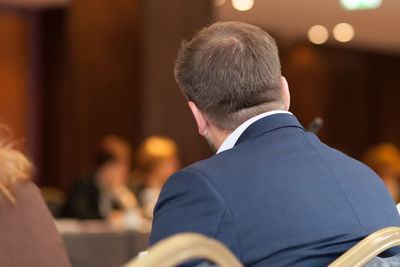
(189, 202)
(280, 197)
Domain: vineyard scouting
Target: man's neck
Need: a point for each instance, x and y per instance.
(231, 137)
(217, 136)
(221, 138)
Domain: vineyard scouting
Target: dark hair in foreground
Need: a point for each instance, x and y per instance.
(231, 71)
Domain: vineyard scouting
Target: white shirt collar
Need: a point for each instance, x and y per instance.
(230, 141)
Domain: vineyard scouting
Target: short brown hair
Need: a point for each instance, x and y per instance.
(112, 148)
(231, 71)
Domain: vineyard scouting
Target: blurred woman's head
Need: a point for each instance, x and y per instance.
(384, 159)
(157, 159)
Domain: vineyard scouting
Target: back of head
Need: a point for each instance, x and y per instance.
(153, 150)
(231, 71)
(112, 148)
(14, 166)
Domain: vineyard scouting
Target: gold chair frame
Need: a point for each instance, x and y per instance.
(183, 247)
(369, 247)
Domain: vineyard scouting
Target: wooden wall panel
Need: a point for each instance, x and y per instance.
(306, 71)
(92, 83)
(14, 72)
(105, 70)
(355, 92)
(165, 110)
(57, 102)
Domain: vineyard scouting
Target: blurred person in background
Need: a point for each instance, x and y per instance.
(156, 160)
(384, 159)
(104, 195)
(28, 233)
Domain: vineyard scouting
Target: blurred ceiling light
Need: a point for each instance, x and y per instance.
(343, 32)
(242, 5)
(360, 4)
(219, 2)
(318, 34)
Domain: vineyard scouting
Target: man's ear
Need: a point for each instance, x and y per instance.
(201, 120)
(285, 91)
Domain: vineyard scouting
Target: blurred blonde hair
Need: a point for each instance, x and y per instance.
(154, 149)
(14, 166)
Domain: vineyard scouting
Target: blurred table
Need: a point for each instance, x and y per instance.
(97, 244)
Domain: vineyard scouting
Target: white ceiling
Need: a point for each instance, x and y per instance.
(375, 29)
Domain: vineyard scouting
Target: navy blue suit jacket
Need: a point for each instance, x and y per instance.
(279, 197)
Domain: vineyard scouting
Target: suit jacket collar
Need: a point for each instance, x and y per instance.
(268, 124)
